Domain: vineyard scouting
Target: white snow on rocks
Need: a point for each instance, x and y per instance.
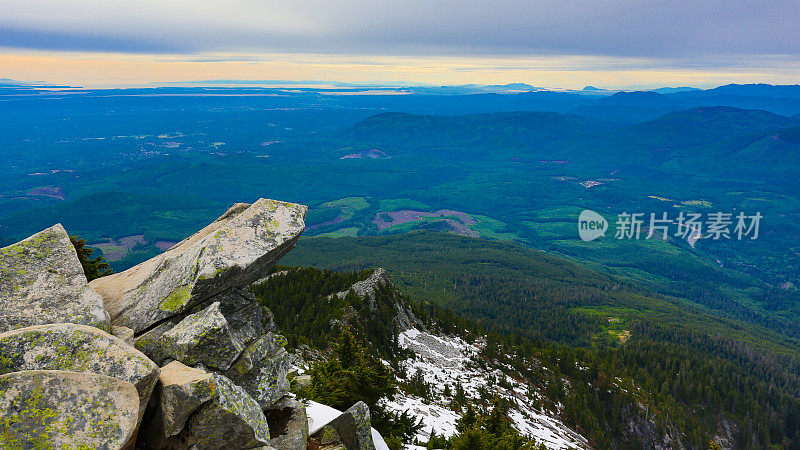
(446, 360)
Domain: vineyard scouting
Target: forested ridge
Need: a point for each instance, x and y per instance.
(638, 363)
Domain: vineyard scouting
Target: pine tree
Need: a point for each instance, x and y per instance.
(347, 349)
(92, 268)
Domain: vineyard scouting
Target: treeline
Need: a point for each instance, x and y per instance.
(308, 311)
(679, 371)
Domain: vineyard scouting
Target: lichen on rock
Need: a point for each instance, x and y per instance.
(42, 281)
(58, 409)
(77, 348)
(288, 424)
(262, 368)
(183, 390)
(235, 250)
(202, 338)
(231, 419)
(352, 428)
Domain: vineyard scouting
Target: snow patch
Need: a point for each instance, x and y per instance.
(450, 361)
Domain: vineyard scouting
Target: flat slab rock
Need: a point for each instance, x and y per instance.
(42, 281)
(57, 409)
(77, 348)
(232, 251)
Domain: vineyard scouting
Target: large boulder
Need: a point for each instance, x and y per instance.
(235, 250)
(352, 428)
(262, 368)
(42, 281)
(202, 338)
(231, 419)
(77, 348)
(288, 424)
(246, 318)
(57, 409)
(183, 390)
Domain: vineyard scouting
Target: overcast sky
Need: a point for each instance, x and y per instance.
(742, 38)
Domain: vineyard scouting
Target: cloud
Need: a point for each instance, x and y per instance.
(696, 31)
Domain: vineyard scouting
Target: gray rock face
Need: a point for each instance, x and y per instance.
(288, 424)
(367, 288)
(247, 321)
(232, 251)
(247, 318)
(148, 343)
(262, 369)
(230, 420)
(352, 428)
(202, 338)
(77, 348)
(57, 409)
(124, 333)
(42, 281)
(183, 390)
(405, 318)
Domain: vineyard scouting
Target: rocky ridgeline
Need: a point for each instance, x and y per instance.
(174, 353)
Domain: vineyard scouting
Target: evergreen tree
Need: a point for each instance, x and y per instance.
(92, 268)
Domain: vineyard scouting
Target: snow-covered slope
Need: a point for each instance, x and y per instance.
(448, 361)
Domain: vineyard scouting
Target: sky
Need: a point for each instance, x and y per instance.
(567, 43)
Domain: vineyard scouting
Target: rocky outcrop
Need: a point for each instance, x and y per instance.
(77, 348)
(288, 424)
(367, 288)
(352, 428)
(223, 332)
(262, 368)
(202, 338)
(235, 250)
(66, 382)
(57, 409)
(231, 419)
(42, 281)
(183, 390)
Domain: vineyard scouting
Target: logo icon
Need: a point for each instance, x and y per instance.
(591, 225)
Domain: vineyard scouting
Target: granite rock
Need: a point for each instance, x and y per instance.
(42, 281)
(235, 250)
(58, 409)
(262, 368)
(77, 348)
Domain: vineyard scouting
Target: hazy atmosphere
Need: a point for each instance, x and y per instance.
(555, 44)
(400, 225)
